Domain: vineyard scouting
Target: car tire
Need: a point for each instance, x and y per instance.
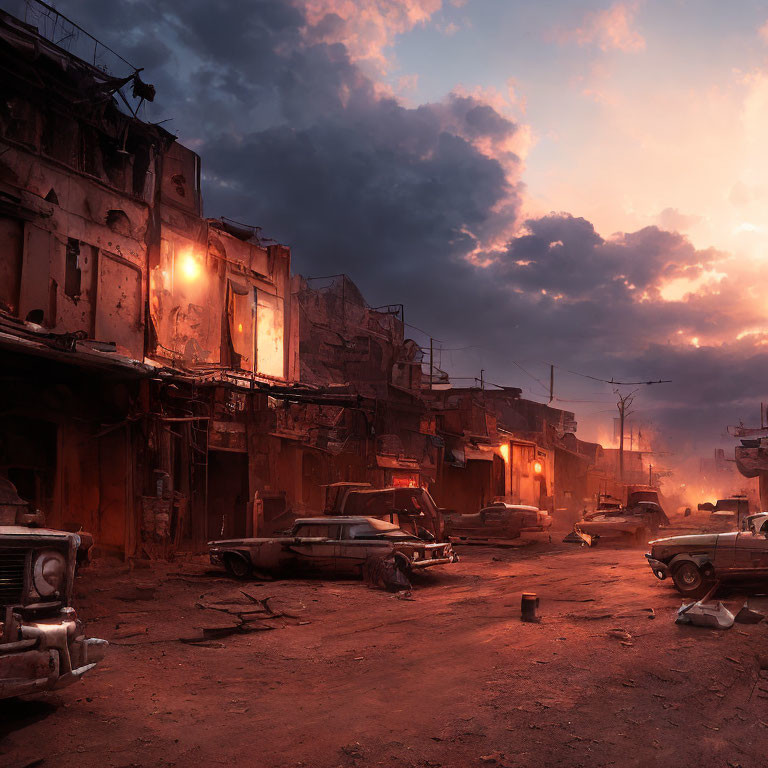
(404, 566)
(690, 581)
(237, 567)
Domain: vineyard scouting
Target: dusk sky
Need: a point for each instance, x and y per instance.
(577, 183)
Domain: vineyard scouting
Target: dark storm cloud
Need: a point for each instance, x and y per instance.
(296, 138)
(565, 255)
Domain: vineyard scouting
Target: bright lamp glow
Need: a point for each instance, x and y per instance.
(189, 267)
(504, 451)
(537, 467)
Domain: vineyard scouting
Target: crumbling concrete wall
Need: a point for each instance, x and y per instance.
(344, 341)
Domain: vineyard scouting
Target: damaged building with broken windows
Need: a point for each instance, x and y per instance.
(167, 381)
(136, 335)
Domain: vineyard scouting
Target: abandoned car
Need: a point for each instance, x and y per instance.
(639, 494)
(634, 523)
(727, 514)
(696, 562)
(42, 645)
(497, 521)
(332, 544)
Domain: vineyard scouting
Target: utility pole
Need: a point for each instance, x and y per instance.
(431, 370)
(551, 383)
(624, 402)
(650, 474)
(482, 380)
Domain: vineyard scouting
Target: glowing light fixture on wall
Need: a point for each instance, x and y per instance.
(188, 266)
(504, 451)
(537, 467)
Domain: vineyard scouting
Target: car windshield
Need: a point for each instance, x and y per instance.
(398, 534)
(377, 529)
(638, 496)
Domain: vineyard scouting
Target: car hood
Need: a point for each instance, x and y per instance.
(696, 539)
(251, 542)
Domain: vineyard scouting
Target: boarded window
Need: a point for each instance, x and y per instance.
(241, 322)
(269, 330)
(119, 304)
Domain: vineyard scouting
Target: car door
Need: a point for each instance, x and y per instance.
(463, 525)
(751, 554)
(314, 547)
(352, 550)
(494, 522)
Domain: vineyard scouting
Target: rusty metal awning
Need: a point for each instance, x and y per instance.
(397, 462)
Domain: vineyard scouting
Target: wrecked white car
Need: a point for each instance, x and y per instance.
(42, 645)
(330, 544)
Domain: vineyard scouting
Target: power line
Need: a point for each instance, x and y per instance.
(613, 381)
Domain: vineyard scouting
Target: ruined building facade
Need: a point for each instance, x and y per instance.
(167, 381)
(138, 338)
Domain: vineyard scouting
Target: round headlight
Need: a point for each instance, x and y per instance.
(49, 572)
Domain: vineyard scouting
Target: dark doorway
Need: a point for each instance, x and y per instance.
(311, 479)
(28, 458)
(227, 494)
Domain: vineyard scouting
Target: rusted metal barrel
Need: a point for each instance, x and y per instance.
(529, 607)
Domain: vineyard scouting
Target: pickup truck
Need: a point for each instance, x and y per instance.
(412, 509)
(42, 643)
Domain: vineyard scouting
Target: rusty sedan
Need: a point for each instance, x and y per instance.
(695, 563)
(498, 521)
(330, 544)
(636, 523)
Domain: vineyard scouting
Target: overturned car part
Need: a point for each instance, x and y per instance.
(701, 614)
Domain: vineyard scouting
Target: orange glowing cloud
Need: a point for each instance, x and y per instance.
(611, 29)
(367, 27)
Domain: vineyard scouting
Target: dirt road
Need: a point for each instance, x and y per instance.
(350, 676)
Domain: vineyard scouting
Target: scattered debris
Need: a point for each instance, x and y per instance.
(701, 614)
(747, 616)
(495, 758)
(529, 607)
(577, 536)
(130, 631)
(354, 751)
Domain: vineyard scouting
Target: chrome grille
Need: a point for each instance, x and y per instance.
(12, 575)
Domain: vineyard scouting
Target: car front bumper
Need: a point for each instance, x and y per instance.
(50, 654)
(660, 570)
(427, 562)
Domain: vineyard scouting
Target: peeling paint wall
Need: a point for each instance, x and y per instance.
(76, 253)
